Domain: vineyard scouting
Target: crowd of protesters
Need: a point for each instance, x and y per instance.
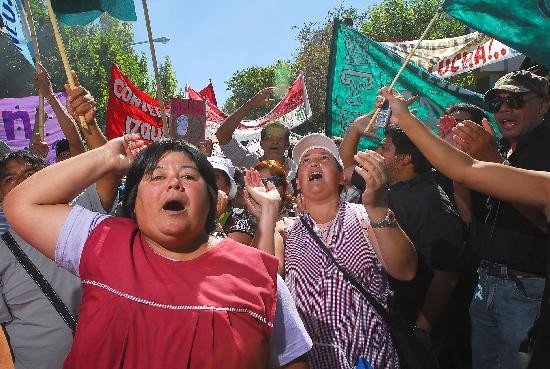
(430, 252)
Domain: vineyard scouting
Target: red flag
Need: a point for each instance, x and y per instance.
(131, 110)
(208, 94)
(213, 114)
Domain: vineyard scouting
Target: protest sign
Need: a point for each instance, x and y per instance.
(17, 122)
(130, 110)
(359, 67)
(188, 120)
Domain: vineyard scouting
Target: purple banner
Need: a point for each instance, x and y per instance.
(17, 122)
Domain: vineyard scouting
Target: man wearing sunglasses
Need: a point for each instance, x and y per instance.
(507, 237)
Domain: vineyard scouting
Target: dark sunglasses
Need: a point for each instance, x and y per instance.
(514, 101)
(275, 180)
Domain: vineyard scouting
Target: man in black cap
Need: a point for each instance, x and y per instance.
(508, 237)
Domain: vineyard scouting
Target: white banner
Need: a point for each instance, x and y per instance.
(451, 56)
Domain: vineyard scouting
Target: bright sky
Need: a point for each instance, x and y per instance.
(212, 39)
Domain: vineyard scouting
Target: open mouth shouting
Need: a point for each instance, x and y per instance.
(173, 207)
(508, 123)
(315, 176)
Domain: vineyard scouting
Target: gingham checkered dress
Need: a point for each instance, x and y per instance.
(341, 323)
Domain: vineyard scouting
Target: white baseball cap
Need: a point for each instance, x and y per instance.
(315, 141)
(226, 166)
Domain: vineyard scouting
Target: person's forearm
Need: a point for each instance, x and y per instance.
(6, 361)
(93, 136)
(265, 233)
(396, 251)
(348, 147)
(107, 185)
(68, 126)
(230, 124)
(437, 299)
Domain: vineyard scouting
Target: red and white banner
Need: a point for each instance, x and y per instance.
(292, 111)
(451, 56)
(131, 110)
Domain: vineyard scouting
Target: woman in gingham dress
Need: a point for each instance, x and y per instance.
(342, 324)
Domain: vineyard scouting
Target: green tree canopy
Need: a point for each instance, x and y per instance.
(404, 20)
(244, 84)
(91, 50)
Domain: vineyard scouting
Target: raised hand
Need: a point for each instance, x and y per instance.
(258, 196)
(398, 104)
(361, 123)
(477, 141)
(221, 205)
(371, 167)
(263, 97)
(445, 128)
(42, 81)
(80, 102)
(123, 150)
(38, 147)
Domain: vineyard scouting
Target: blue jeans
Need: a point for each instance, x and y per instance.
(502, 313)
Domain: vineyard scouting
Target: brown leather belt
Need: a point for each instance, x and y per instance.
(502, 271)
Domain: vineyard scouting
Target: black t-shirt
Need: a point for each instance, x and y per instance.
(428, 217)
(499, 232)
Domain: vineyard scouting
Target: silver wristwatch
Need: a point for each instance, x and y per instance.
(388, 221)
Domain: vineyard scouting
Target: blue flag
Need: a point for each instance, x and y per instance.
(17, 29)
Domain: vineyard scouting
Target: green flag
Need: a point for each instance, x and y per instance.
(82, 12)
(521, 24)
(359, 67)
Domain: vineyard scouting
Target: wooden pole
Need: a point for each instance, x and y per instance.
(30, 23)
(160, 94)
(407, 59)
(63, 53)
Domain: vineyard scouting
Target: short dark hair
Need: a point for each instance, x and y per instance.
(404, 146)
(61, 146)
(475, 111)
(34, 161)
(264, 130)
(147, 160)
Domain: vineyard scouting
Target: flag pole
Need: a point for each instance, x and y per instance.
(160, 94)
(63, 53)
(407, 59)
(30, 24)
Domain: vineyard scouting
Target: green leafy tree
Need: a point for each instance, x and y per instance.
(244, 84)
(168, 80)
(403, 20)
(91, 51)
(313, 59)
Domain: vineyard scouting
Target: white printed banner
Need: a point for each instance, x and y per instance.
(451, 56)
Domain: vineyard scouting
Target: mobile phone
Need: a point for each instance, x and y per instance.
(384, 115)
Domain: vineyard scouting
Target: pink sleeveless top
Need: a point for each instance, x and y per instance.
(142, 310)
